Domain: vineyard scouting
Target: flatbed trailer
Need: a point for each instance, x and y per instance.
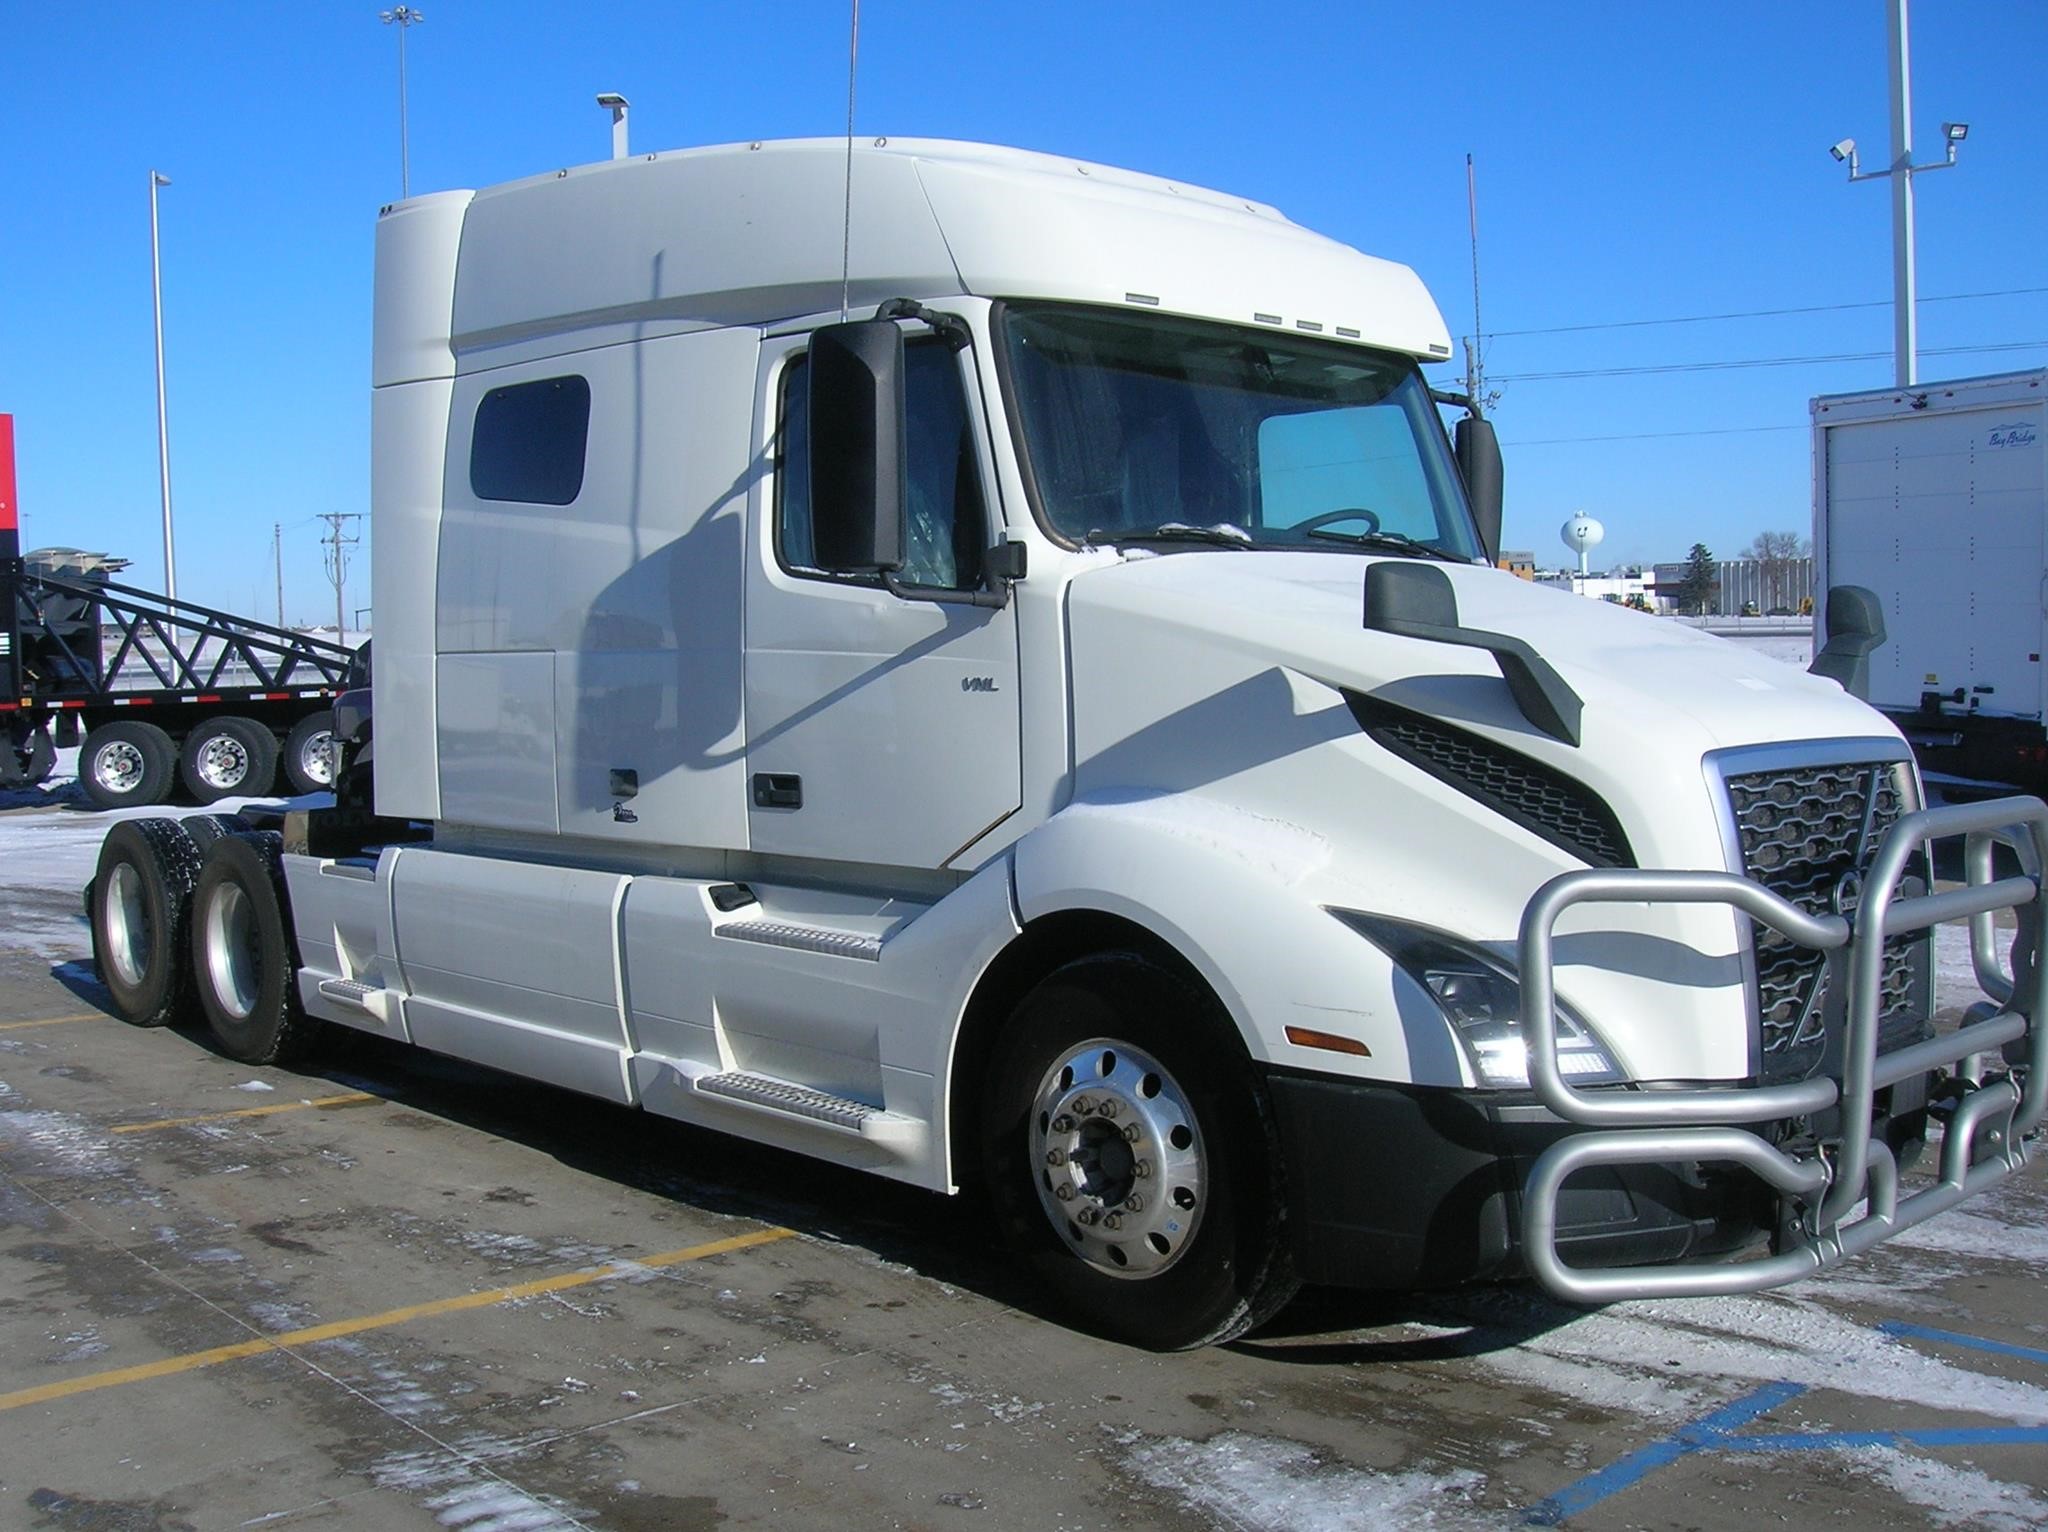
(159, 693)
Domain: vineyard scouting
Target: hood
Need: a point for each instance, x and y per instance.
(1641, 678)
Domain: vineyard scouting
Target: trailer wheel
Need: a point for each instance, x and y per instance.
(127, 764)
(228, 757)
(1131, 1158)
(138, 905)
(309, 753)
(242, 951)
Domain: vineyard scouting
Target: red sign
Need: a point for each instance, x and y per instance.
(7, 511)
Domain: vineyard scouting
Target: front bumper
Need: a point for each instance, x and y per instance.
(1605, 1194)
(1421, 1187)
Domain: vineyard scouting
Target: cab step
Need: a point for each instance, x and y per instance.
(371, 999)
(781, 933)
(787, 1099)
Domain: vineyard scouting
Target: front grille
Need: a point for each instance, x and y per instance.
(1802, 829)
(1565, 812)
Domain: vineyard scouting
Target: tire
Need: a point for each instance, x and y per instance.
(309, 753)
(127, 765)
(1201, 1258)
(226, 758)
(205, 829)
(242, 952)
(138, 907)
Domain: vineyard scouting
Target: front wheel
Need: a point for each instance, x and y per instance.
(1131, 1159)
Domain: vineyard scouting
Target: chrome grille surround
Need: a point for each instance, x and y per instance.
(1804, 820)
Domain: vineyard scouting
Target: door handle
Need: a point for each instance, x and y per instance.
(778, 790)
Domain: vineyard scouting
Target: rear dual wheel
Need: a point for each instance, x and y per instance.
(138, 906)
(228, 757)
(1131, 1158)
(242, 951)
(127, 764)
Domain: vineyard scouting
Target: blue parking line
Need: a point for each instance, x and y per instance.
(1716, 1432)
(1899, 1327)
(1707, 1432)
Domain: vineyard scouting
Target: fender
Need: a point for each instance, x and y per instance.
(1226, 889)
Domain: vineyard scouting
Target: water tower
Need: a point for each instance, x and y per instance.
(1579, 534)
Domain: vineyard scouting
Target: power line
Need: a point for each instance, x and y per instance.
(1645, 436)
(1815, 308)
(1757, 361)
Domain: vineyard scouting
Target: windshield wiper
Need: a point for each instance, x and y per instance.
(1220, 535)
(1388, 542)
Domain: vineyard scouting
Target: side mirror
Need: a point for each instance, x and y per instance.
(1478, 452)
(857, 447)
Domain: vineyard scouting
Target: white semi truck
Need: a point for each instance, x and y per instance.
(1935, 497)
(1013, 691)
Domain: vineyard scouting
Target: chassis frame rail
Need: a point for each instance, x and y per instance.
(1985, 1139)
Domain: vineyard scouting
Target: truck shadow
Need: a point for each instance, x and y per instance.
(944, 1239)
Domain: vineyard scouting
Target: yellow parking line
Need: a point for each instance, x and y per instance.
(194, 1360)
(348, 1099)
(52, 1021)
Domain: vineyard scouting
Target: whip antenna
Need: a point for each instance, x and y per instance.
(846, 224)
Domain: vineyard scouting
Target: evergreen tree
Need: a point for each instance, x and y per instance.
(1696, 590)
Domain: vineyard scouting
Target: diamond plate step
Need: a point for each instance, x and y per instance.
(800, 1101)
(779, 933)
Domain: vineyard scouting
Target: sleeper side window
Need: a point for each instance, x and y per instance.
(528, 442)
(948, 523)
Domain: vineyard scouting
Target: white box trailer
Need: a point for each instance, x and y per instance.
(1936, 498)
(1016, 692)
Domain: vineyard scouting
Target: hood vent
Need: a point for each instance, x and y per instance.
(1542, 800)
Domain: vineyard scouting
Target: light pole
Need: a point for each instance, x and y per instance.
(163, 435)
(403, 16)
(616, 104)
(1905, 329)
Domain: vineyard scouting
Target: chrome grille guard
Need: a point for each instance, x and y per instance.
(1985, 1137)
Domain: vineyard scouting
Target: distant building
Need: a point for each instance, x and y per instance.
(1518, 562)
(1628, 588)
(1746, 587)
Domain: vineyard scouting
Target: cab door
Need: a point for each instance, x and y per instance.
(881, 729)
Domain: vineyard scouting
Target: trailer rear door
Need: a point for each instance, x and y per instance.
(1942, 513)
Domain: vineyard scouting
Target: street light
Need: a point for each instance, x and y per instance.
(163, 435)
(403, 16)
(1905, 330)
(616, 104)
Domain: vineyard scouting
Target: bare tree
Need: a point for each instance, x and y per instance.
(1776, 554)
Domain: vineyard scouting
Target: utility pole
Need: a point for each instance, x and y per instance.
(338, 545)
(1905, 327)
(403, 16)
(1475, 375)
(163, 433)
(277, 558)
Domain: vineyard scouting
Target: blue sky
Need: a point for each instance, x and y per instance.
(1635, 162)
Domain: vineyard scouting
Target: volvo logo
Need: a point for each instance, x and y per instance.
(1846, 894)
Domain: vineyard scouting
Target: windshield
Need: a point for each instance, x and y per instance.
(1133, 423)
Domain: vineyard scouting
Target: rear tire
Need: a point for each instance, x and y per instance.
(127, 765)
(1131, 1158)
(228, 757)
(243, 966)
(140, 903)
(309, 753)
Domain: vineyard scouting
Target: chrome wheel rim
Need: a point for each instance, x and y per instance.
(316, 758)
(127, 921)
(118, 766)
(223, 762)
(1120, 1158)
(233, 963)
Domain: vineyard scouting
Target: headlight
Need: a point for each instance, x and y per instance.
(1481, 998)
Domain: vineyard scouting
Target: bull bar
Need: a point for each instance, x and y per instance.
(1985, 1137)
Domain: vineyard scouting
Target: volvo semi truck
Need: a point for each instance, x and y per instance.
(1012, 690)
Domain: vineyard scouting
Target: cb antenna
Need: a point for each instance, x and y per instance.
(846, 224)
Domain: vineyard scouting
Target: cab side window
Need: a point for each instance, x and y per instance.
(948, 523)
